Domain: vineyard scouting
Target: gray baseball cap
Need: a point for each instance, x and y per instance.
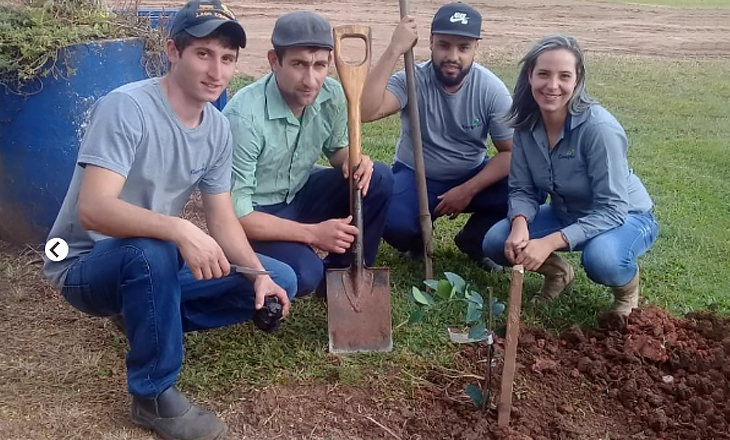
(457, 19)
(302, 28)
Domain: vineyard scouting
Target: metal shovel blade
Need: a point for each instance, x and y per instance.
(358, 311)
(358, 298)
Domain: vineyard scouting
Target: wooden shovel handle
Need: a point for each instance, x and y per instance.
(353, 78)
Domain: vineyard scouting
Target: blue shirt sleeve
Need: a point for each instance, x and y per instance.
(605, 147)
(523, 193)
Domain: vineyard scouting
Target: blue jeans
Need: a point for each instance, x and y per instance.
(403, 228)
(148, 282)
(326, 195)
(608, 258)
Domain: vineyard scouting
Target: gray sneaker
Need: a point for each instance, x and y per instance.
(173, 417)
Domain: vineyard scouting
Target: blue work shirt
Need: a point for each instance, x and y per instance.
(591, 187)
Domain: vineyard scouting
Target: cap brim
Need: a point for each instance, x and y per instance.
(207, 27)
(457, 34)
(306, 44)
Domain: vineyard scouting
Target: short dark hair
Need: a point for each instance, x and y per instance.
(227, 40)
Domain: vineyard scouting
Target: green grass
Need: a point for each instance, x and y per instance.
(674, 3)
(677, 116)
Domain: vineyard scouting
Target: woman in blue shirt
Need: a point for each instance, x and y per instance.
(568, 146)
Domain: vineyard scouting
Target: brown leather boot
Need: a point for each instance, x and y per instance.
(558, 275)
(626, 298)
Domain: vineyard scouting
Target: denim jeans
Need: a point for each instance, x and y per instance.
(147, 281)
(608, 258)
(403, 228)
(326, 195)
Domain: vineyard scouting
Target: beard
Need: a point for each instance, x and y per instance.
(449, 81)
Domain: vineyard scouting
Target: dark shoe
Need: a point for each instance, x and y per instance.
(470, 237)
(173, 417)
(321, 291)
(489, 265)
(118, 321)
(412, 255)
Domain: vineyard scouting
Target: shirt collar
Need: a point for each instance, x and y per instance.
(277, 108)
(571, 121)
(577, 119)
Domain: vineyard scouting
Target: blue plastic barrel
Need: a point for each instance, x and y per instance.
(158, 16)
(164, 17)
(40, 134)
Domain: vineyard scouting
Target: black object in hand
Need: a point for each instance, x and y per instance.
(268, 317)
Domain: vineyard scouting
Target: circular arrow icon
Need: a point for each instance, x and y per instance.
(56, 249)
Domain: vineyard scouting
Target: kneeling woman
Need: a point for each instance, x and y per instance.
(568, 146)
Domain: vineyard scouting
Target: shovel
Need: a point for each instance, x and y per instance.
(358, 298)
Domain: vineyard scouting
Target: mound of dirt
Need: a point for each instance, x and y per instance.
(660, 378)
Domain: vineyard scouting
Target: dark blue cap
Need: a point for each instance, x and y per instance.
(457, 19)
(200, 18)
(302, 28)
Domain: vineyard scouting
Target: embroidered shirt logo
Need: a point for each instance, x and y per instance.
(568, 154)
(202, 169)
(459, 17)
(472, 125)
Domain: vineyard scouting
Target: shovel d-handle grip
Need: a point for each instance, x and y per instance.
(352, 77)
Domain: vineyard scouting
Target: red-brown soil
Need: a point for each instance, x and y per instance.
(661, 378)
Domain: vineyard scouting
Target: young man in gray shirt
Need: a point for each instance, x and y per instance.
(148, 145)
(460, 104)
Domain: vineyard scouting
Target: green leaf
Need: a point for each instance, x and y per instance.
(475, 297)
(422, 297)
(473, 313)
(431, 284)
(456, 281)
(443, 290)
(475, 394)
(479, 331)
(417, 316)
(410, 296)
(497, 307)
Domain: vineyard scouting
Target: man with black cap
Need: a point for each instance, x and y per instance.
(147, 146)
(460, 104)
(281, 125)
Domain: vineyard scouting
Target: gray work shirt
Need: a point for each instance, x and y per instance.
(454, 126)
(134, 132)
(591, 187)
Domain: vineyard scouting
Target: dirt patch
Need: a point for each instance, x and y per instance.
(662, 378)
(508, 27)
(62, 376)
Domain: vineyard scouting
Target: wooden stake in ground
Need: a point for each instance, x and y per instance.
(504, 407)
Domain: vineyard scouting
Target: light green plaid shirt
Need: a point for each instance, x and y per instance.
(273, 153)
